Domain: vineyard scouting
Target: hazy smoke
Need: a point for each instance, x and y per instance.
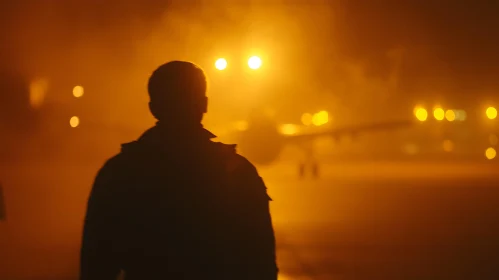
(337, 54)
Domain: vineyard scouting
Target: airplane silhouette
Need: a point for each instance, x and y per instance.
(46, 133)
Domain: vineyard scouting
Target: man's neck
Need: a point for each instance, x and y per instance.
(179, 127)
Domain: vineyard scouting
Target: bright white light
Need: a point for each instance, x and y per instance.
(221, 64)
(254, 62)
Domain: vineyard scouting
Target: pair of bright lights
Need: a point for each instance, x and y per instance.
(254, 63)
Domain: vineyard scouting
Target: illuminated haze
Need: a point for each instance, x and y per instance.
(355, 60)
(349, 56)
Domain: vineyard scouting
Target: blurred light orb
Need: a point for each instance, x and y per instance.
(241, 125)
(221, 64)
(490, 153)
(460, 115)
(320, 118)
(450, 115)
(491, 113)
(38, 92)
(74, 121)
(439, 114)
(421, 114)
(254, 62)
(306, 119)
(78, 91)
(289, 129)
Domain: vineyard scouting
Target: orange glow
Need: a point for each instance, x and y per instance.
(289, 129)
(269, 112)
(460, 115)
(74, 121)
(78, 91)
(241, 125)
(254, 62)
(306, 119)
(221, 64)
(448, 146)
(450, 115)
(490, 153)
(320, 118)
(421, 114)
(493, 139)
(491, 113)
(37, 92)
(439, 114)
(410, 148)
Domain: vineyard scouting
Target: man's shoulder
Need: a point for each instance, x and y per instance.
(111, 170)
(243, 165)
(114, 162)
(245, 175)
(235, 162)
(120, 161)
(243, 172)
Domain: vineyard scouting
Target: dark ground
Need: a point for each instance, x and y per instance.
(360, 221)
(427, 225)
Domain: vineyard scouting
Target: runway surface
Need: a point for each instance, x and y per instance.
(377, 220)
(388, 221)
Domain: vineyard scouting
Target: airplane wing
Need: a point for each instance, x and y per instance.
(348, 131)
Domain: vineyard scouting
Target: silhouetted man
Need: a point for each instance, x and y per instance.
(174, 204)
(3, 215)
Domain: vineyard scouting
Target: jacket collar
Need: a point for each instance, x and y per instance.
(168, 133)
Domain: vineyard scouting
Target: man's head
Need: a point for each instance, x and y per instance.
(177, 92)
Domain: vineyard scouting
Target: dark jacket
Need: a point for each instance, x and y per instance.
(178, 207)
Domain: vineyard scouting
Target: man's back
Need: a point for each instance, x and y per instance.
(171, 209)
